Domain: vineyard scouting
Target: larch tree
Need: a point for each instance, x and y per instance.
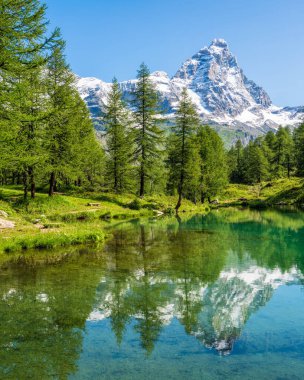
(213, 158)
(282, 152)
(23, 53)
(256, 163)
(182, 144)
(117, 121)
(298, 138)
(148, 136)
(65, 110)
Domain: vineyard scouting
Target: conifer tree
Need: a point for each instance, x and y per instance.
(23, 53)
(117, 122)
(282, 152)
(298, 138)
(148, 136)
(214, 171)
(256, 163)
(235, 162)
(31, 114)
(182, 145)
(23, 35)
(69, 125)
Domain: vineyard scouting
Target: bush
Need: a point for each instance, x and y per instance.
(106, 216)
(135, 204)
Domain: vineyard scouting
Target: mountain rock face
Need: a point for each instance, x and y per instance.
(223, 95)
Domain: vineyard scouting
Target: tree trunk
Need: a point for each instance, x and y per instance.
(32, 182)
(25, 186)
(52, 184)
(115, 175)
(181, 183)
(288, 167)
(180, 192)
(142, 181)
(179, 202)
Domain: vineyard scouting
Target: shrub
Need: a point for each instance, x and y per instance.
(135, 204)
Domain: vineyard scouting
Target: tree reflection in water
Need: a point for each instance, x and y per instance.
(210, 273)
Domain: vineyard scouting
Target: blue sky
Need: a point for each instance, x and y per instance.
(112, 37)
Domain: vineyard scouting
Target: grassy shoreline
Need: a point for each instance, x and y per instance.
(75, 219)
(277, 193)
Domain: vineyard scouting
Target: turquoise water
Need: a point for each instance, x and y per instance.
(201, 297)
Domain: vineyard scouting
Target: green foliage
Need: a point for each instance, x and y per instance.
(298, 138)
(48, 143)
(183, 155)
(275, 155)
(148, 136)
(46, 135)
(213, 167)
(117, 121)
(135, 204)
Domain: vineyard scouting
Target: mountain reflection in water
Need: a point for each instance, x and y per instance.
(209, 274)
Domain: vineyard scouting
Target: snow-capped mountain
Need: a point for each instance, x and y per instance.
(223, 95)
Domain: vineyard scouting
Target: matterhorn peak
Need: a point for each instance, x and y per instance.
(159, 74)
(219, 42)
(221, 92)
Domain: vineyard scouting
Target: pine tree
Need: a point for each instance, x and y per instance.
(235, 160)
(29, 156)
(148, 136)
(23, 35)
(68, 123)
(23, 53)
(298, 138)
(182, 145)
(256, 163)
(87, 158)
(214, 171)
(117, 122)
(282, 152)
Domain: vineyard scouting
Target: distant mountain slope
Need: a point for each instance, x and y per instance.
(223, 95)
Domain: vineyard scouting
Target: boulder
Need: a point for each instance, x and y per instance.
(6, 224)
(215, 202)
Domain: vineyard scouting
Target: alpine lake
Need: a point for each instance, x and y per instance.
(215, 296)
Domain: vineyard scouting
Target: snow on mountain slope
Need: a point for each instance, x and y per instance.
(221, 92)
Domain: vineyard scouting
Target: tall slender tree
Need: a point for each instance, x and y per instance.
(282, 149)
(117, 121)
(24, 49)
(182, 145)
(214, 171)
(69, 125)
(298, 138)
(148, 136)
(256, 163)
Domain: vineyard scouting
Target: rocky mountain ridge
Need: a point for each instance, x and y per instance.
(222, 94)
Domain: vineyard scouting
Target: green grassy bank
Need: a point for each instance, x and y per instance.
(65, 220)
(282, 192)
(62, 220)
